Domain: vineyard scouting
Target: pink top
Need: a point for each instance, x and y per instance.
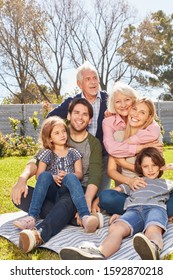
(124, 149)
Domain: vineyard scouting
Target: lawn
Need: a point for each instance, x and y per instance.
(10, 169)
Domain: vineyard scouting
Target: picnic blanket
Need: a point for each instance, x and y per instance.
(75, 236)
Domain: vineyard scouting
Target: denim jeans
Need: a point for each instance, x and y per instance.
(62, 213)
(69, 183)
(139, 218)
(113, 202)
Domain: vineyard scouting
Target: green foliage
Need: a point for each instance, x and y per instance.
(14, 124)
(34, 120)
(171, 135)
(17, 145)
(2, 145)
(150, 46)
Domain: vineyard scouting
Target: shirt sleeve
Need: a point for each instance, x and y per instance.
(113, 147)
(95, 162)
(45, 156)
(75, 154)
(125, 188)
(149, 134)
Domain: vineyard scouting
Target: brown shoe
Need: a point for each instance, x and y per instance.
(29, 239)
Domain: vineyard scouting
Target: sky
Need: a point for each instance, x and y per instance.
(143, 7)
(146, 6)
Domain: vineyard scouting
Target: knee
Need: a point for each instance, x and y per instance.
(45, 176)
(69, 177)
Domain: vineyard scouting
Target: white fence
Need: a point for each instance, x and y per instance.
(24, 111)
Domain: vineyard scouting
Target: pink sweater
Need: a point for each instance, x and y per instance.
(126, 149)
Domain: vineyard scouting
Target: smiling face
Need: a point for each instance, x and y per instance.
(89, 84)
(149, 168)
(138, 115)
(79, 118)
(122, 104)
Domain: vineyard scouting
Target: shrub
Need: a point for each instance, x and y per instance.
(2, 145)
(171, 135)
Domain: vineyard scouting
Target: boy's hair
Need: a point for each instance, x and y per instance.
(155, 156)
(46, 130)
(123, 88)
(82, 101)
(85, 66)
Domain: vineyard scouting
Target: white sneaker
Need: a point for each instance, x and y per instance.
(81, 253)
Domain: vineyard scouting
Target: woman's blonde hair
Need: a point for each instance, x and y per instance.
(152, 115)
(125, 89)
(46, 130)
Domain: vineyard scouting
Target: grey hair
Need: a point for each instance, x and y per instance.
(123, 88)
(85, 66)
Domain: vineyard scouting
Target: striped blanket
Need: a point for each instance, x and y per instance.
(75, 236)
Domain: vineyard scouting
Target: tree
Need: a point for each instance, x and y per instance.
(18, 19)
(151, 51)
(96, 36)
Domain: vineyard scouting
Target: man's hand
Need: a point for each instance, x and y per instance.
(18, 189)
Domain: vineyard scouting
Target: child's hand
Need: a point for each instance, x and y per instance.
(113, 218)
(58, 178)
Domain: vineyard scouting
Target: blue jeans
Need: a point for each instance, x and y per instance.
(113, 202)
(46, 182)
(56, 214)
(138, 218)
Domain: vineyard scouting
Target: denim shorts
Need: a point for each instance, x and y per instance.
(140, 217)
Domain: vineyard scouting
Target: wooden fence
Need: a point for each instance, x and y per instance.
(24, 111)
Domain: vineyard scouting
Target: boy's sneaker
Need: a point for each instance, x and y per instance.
(27, 222)
(146, 249)
(81, 253)
(100, 219)
(90, 223)
(29, 239)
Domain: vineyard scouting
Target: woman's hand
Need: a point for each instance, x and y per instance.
(136, 183)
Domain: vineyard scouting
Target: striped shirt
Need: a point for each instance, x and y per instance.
(156, 193)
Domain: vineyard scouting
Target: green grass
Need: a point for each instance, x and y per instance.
(10, 169)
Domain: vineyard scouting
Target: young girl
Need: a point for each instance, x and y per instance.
(59, 170)
(145, 212)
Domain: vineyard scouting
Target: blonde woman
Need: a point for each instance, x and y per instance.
(140, 117)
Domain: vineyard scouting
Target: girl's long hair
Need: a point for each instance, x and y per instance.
(46, 130)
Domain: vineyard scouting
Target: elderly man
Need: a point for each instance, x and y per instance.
(88, 81)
